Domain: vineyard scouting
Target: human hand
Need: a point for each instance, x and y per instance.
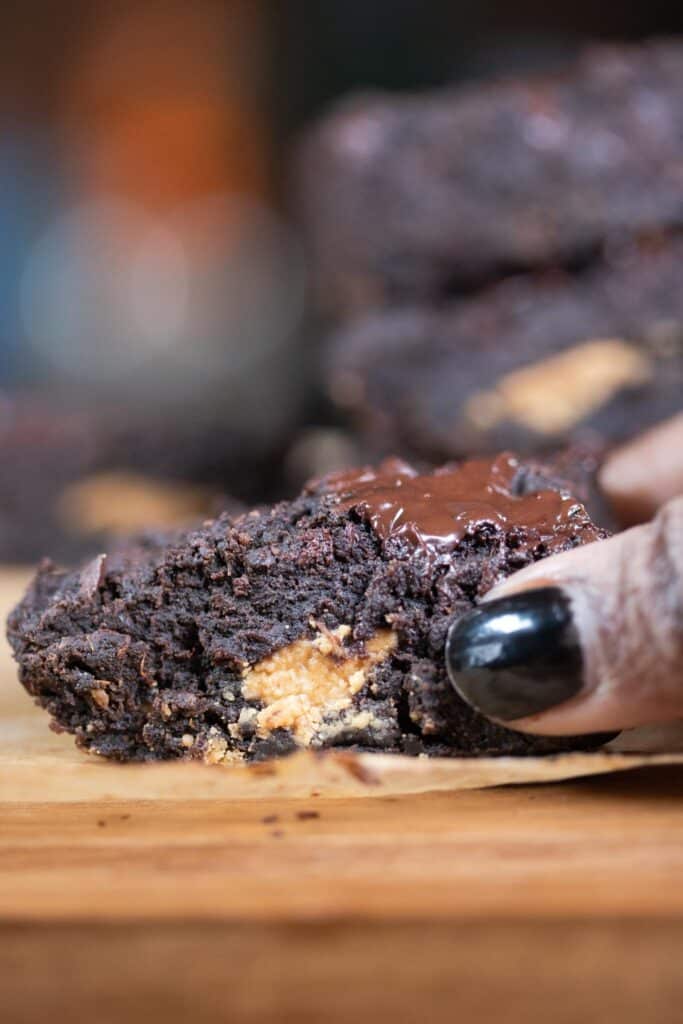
(591, 639)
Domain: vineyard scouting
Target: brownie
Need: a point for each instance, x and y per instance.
(536, 362)
(320, 622)
(412, 197)
(71, 479)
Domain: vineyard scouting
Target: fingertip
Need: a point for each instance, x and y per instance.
(628, 486)
(516, 656)
(641, 476)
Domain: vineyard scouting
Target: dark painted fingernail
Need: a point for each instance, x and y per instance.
(516, 656)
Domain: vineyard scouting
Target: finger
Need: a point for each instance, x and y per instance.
(642, 476)
(585, 641)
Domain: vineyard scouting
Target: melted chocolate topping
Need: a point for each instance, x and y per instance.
(434, 512)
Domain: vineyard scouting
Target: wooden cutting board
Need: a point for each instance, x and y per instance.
(526, 903)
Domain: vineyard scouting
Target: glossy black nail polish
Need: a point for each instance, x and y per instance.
(516, 656)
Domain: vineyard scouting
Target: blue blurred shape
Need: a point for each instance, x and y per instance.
(28, 188)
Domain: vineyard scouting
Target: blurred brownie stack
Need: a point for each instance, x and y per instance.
(75, 481)
(502, 263)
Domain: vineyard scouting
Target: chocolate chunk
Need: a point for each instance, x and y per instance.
(435, 512)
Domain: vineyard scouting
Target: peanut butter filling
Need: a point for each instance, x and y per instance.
(556, 393)
(216, 749)
(122, 502)
(308, 681)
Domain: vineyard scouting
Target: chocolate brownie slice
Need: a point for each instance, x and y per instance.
(318, 623)
(411, 197)
(535, 362)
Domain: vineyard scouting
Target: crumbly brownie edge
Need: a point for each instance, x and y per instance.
(151, 658)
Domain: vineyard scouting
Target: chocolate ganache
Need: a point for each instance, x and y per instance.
(433, 512)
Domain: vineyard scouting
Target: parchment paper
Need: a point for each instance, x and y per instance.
(36, 765)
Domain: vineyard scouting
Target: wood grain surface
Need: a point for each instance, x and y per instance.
(557, 902)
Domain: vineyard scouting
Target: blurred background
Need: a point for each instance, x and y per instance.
(154, 309)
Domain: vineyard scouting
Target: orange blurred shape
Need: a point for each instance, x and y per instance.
(163, 103)
(174, 149)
